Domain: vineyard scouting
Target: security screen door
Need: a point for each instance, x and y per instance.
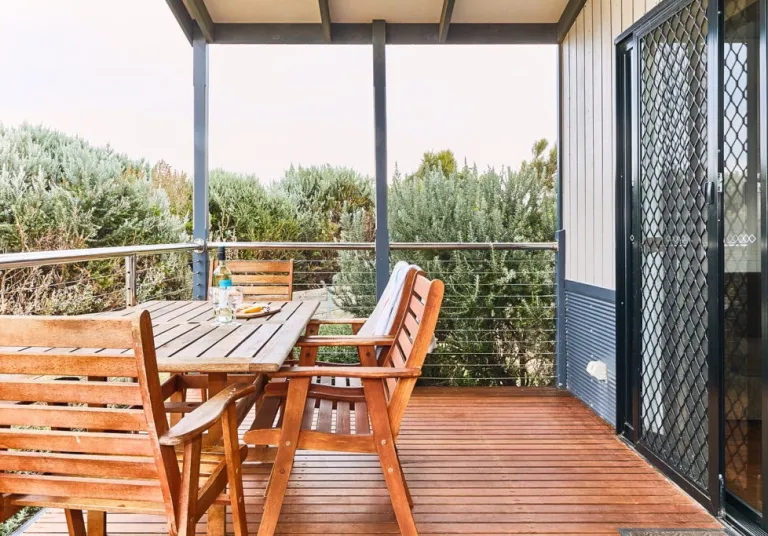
(674, 261)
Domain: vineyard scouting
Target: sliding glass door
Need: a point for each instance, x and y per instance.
(742, 282)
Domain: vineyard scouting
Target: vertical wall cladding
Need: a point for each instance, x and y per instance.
(587, 143)
(590, 324)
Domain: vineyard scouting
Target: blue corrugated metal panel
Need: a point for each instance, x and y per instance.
(590, 324)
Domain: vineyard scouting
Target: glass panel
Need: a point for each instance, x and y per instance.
(743, 368)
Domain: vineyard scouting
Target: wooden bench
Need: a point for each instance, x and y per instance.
(86, 443)
(355, 409)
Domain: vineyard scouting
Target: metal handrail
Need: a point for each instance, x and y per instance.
(415, 246)
(27, 259)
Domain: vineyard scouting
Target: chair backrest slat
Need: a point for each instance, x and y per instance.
(77, 442)
(63, 332)
(94, 433)
(69, 391)
(413, 338)
(262, 280)
(68, 364)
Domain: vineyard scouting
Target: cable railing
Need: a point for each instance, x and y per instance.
(497, 323)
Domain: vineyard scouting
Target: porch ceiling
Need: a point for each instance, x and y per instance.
(392, 11)
(349, 21)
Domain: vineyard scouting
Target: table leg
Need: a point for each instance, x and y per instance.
(217, 520)
(217, 381)
(97, 523)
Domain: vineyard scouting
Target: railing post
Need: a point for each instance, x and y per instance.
(200, 185)
(380, 127)
(561, 364)
(130, 280)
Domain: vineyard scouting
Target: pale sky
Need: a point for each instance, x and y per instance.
(120, 72)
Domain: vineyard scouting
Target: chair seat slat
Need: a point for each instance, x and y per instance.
(325, 411)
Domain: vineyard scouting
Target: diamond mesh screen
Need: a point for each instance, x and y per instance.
(673, 234)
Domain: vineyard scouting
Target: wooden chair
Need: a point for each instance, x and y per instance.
(344, 408)
(261, 280)
(84, 443)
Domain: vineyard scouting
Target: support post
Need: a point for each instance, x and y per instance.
(561, 364)
(130, 280)
(380, 124)
(200, 184)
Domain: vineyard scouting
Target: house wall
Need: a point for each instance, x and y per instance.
(588, 194)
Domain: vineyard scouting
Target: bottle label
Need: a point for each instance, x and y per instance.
(225, 283)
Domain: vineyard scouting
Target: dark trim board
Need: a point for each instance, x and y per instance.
(590, 335)
(397, 34)
(568, 18)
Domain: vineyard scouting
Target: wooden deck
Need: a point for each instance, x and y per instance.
(478, 461)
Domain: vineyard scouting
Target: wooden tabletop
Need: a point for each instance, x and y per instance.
(187, 340)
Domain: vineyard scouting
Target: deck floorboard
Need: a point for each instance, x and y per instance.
(478, 461)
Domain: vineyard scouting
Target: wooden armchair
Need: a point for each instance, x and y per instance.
(85, 443)
(262, 280)
(349, 408)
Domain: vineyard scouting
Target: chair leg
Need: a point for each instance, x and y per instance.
(97, 523)
(234, 470)
(281, 470)
(178, 396)
(390, 463)
(405, 482)
(75, 523)
(190, 480)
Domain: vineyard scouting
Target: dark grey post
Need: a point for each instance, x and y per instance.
(380, 122)
(561, 364)
(561, 359)
(200, 185)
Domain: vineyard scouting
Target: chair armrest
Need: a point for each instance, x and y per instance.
(205, 416)
(347, 372)
(338, 321)
(343, 340)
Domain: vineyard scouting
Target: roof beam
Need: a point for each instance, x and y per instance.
(182, 17)
(200, 13)
(397, 34)
(569, 16)
(325, 19)
(445, 20)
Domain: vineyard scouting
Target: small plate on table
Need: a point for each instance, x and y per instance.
(256, 310)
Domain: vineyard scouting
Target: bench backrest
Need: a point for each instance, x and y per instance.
(262, 280)
(417, 318)
(81, 423)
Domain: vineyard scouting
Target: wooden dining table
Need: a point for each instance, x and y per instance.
(188, 340)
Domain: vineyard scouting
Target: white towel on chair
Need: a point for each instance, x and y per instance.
(383, 316)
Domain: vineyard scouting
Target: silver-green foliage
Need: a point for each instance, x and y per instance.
(59, 192)
(497, 320)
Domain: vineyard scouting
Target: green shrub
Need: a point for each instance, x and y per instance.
(58, 192)
(497, 321)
